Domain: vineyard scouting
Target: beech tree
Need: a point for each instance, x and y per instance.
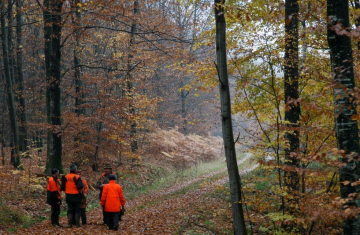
(23, 132)
(14, 143)
(52, 10)
(345, 105)
(227, 128)
(292, 105)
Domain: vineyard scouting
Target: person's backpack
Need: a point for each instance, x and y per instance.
(79, 183)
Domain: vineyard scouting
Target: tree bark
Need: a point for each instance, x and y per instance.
(292, 106)
(229, 144)
(129, 83)
(77, 61)
(344, 103)
(23, 134)
(52, 34)
(15, 157)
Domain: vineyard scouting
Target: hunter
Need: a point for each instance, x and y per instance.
(85, 192)
(113, 202)
(54, 197)
(104, 179)
(73, 185)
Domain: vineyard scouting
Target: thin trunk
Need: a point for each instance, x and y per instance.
(129, 83)
(229, 144)
(77, 61)
(292, 106)
(345, 103)
(184, 94)
(15, 157)
(2, 139)
(23, 134)
(11, 47)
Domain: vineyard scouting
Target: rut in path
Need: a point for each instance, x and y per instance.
(163, 212)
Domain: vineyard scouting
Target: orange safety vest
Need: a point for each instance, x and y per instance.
(85, 189)
(86, 186)
(112, 197)
(70, 185)
(102, 176)
(54, 186)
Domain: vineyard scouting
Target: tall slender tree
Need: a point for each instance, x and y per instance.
(52, 34)
(227, 128)
(15, 157)
(129, 83)
(345, 104)
(292, 106)
(23, 133)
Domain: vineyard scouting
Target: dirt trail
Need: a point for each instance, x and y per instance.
(163, 212)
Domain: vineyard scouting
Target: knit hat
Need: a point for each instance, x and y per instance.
(73, 167)
(111, 177)
(108, 166)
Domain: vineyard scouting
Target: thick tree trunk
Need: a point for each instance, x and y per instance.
(229, 144)
(23, 134)
(345, 103)
(15, 157)
(292, 106)
(52, 34)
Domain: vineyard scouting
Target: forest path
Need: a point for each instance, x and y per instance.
(167, 211)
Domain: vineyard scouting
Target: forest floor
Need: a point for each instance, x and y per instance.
(197, 206)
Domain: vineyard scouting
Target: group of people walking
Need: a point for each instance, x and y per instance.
(76, 189)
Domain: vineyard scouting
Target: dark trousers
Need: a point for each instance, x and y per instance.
(113, 220)
(83, 215)
(55, 213)
(73, 208)
(74, 203)
(105, 220)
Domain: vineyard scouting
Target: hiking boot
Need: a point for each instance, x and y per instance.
(70, 220)
(77, 220)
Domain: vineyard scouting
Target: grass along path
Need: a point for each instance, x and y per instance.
(196, 206)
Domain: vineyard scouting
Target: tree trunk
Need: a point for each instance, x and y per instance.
(183, 94)
(23, 135)
(129, 84)
(345, 104)
(77, 61)
(292, 106)
(52, 35)
(229, 144)
(15, 157)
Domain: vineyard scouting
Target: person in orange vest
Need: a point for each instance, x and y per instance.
(113, 201)
(72, 185)
(54, 197)
(85, 192)
(104, 179)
